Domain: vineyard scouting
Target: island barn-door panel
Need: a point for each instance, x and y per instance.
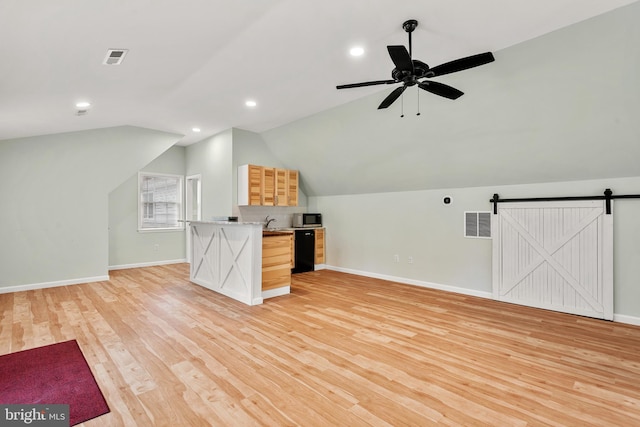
(555, 255)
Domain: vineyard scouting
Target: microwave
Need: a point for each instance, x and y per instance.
(307, 220)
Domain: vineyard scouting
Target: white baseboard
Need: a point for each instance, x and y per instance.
(413, 282)
(620, 318)
(32, 286)
(78, 281)
(276, 292)
(146, 264)
(623, 318)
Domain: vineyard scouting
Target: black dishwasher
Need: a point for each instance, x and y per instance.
(305, 244)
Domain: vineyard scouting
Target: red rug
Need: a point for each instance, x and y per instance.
(53, 374)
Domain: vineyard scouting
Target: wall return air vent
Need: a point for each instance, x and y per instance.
(115, 56)
(477, 224)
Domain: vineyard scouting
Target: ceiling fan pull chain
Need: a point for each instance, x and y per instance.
(418, 104)
(402, 105)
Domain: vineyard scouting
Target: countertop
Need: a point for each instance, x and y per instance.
(227, 222)
(292, 228)
(274, 230)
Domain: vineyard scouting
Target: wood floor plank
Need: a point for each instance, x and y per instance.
(339, 350)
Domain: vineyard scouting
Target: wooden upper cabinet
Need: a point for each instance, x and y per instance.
(255, 185)
(292, 188)
(249, 185)
(268, 186)
(265, 186)
(282, 187)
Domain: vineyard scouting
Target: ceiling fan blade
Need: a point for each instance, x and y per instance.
(392, 97)
(441, 89)
(462, 64)
(401, 58)
(376, 82)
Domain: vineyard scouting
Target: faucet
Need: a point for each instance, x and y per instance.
(268, 221)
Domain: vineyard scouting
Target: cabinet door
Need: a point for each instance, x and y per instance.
(292, 188)
(255, 185)
(319, 258)
(276, 261)
(268, 186)
(264, 186)
(282, 187)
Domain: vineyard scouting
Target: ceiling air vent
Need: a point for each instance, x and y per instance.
(115, 56)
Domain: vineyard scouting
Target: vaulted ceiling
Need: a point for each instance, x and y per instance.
(194, 63)
(560, 107)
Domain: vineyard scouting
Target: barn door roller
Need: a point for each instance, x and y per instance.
(607, 197)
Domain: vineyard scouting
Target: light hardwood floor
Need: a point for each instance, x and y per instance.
(341, 350)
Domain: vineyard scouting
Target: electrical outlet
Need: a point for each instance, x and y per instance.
(410, 260)
(396, 258)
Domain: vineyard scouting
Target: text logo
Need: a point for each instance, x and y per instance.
(34, 415)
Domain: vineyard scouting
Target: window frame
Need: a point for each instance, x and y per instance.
(143, 211)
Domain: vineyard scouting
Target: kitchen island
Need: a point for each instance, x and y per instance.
(227, 258)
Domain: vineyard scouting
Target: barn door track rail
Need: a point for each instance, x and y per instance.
(608, 197)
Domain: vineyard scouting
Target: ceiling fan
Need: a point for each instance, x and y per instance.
(412, 72)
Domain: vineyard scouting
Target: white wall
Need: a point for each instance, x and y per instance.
(212, 158)
(365, 231)
(129, 247)
(54, 215)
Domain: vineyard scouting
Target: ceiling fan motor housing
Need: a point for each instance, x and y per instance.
(420, 70)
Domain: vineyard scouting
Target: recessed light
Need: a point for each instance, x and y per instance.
(195, 129)
(83, 105)
(356, 51)
(251, 103)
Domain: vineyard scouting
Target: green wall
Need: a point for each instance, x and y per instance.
(250, 148)
(365, 231)
(54, 216)
(212, 158)
(561, 107)
(556, 115)
(128, 246)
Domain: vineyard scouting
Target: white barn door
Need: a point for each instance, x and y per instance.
(555, 255)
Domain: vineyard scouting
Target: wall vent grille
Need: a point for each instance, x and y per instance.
(115, 56)
(477, 225)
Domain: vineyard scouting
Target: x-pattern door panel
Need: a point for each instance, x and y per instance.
(555, 255)
(226, 259)
(204, 239)
(232, 245)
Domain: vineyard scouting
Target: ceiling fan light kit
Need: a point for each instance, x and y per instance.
(412, 72)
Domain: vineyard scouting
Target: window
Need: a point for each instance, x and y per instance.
(160, 202)
(477, 224)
